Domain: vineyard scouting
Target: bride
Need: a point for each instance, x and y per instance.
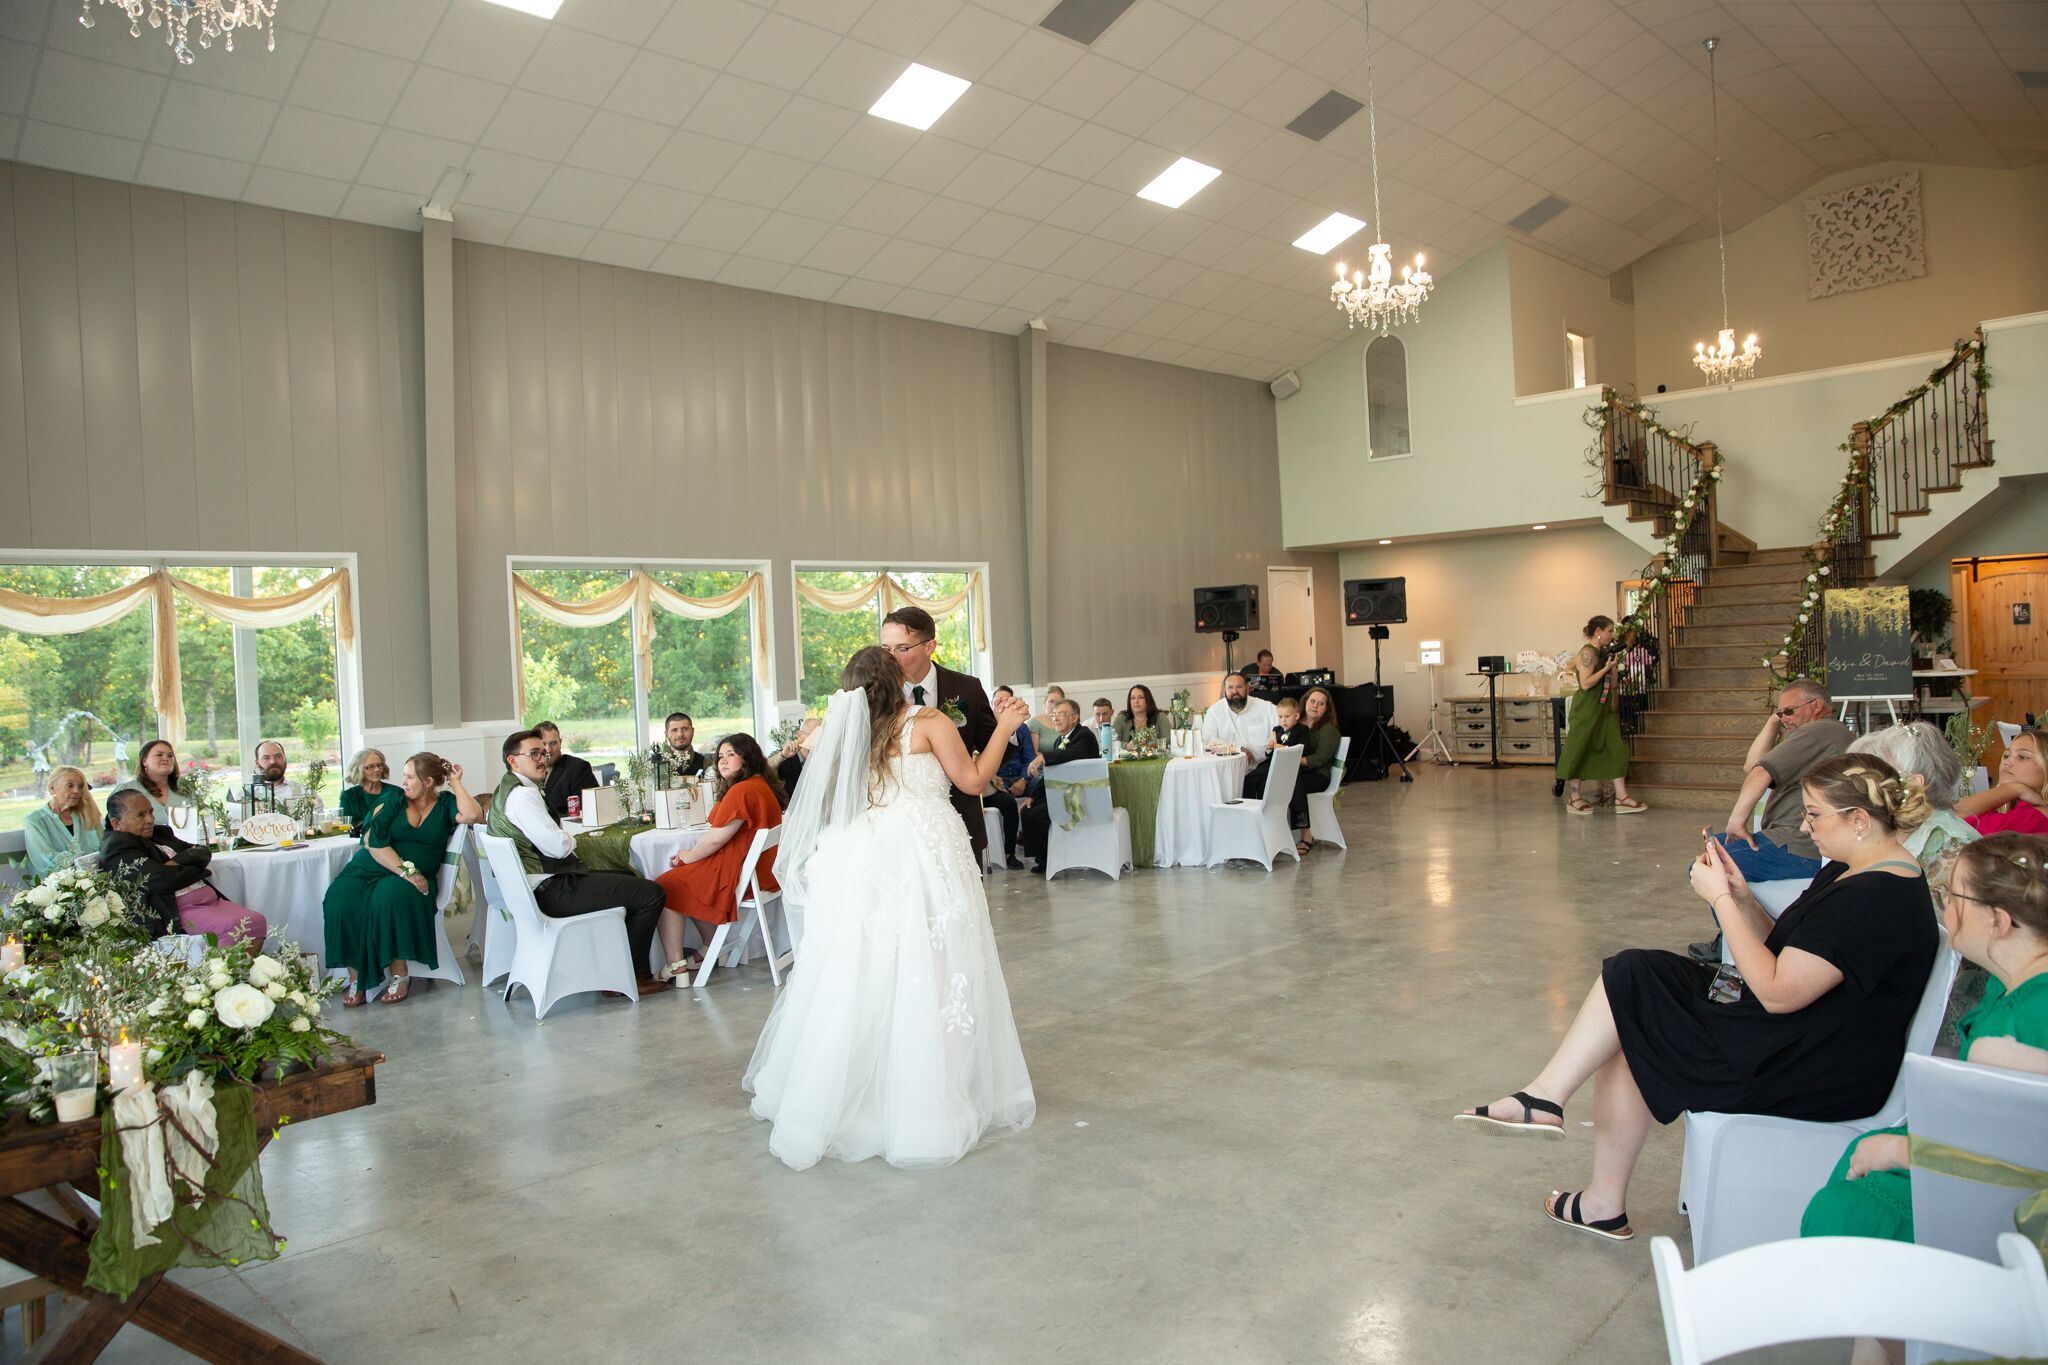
(893, 1037)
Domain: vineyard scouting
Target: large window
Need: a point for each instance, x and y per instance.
(828, 638)
(1386, 399)
(84, 700)
(583, 677)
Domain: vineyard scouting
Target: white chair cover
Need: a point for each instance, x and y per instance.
(1982, 1109)
(556, 958)
(1256, 829)
(499, 942)
(1322, 805)
(1102, 838)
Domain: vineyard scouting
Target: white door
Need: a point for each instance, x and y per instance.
(1290, 619)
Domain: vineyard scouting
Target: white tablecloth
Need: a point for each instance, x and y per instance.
(285, 886)
(1189, 787)
(652, 849)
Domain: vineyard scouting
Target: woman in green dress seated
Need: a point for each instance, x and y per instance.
(1594, 750)
(380, 916)
(370, 789)
(1996, 910)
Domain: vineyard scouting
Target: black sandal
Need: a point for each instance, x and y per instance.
(1615, 1229)
(1530, 1105)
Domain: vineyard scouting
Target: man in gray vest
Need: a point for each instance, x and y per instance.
(562, 885)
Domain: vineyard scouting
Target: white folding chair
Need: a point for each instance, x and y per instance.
(1982, 1109)
(557, 958)
(993, 858)
(1747, 1177)
(498, 943)
(1255, 829)
(449, 968)
(1101, 839)
(753, 905)
(1827, 1288)
(1322, 805)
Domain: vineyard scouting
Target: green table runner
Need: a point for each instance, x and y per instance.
(1134, 785)
(611, 849)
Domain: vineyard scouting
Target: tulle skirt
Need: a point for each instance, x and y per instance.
(893, 1036)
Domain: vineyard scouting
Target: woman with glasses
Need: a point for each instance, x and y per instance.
(369, 790)
(1810, 1023)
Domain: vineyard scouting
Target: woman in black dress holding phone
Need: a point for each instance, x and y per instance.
(1814, 1027)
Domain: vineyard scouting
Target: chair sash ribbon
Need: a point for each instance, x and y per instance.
(2030, 1218)
(1071, 791)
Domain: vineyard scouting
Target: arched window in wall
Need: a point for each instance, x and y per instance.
(1386, 399)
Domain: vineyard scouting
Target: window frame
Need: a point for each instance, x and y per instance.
(982, 664)
(1365, 395)
(1578, 359)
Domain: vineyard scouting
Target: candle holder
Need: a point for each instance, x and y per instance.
(11, 954)
(74, 1082)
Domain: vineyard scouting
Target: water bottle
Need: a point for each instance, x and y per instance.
(1109, 746)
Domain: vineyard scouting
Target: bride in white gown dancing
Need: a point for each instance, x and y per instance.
(893, 1037)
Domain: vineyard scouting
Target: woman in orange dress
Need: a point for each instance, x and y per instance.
(702, 881)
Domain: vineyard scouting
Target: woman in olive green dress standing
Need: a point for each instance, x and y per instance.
(1594, 750)
(379, 915)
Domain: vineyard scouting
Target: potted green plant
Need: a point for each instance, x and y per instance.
(1928, 612)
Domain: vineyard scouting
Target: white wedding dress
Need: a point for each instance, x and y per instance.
(893, 1036)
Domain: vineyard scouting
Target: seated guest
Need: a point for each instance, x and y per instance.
(181, 899)
(369, 790)
(1141, 712)
(789, 760)
(63, 829)
(1264, 672)
(1237, 717)
(1797, 734)
(562, 885)
(156, 777)
(268, 790)
(703, 880)
(1318, 756)
(681, 733)
(1996, 913)
(380, 916)
(1042, 727)
(568, 775)
(2015, 804)
(1104, 723)
(1918, 750)
(1016, 784)
(1287, 727)
(1071, 740)
(1811, 1024)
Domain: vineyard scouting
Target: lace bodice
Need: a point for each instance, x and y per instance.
(916, 777)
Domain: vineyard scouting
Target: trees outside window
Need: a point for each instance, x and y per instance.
(828, 639)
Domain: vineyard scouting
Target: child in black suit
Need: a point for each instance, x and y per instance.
(1290, 730)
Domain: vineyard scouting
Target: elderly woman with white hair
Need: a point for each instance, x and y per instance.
(1917, 749)
(370, 789)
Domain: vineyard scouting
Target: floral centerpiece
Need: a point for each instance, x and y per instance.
(1968, 741)
(238, 1013)
(1144, 743)
(203, 787)
(305, 807)
(634, 783)
(74, 905)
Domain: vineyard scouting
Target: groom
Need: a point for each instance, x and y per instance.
(910, 634)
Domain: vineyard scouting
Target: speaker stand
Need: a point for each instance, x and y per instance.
(1434, 740)
(1229, 639)
(1381, 742)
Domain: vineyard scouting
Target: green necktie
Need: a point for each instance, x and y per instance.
(917, 695)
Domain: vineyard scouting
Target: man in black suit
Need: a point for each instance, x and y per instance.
(910, 634)
(1071, 740)
(568, 775)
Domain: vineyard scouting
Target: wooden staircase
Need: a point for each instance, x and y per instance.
(1692, 739)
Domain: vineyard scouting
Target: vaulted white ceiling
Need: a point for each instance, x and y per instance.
(728, 139)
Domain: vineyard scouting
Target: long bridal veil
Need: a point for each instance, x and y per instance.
(832, 794)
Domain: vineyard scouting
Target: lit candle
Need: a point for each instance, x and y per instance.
(124, 1063)
(10, 956)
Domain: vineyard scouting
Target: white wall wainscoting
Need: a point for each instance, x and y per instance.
(477, 747)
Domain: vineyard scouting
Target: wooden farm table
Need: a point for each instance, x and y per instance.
(58, 1156)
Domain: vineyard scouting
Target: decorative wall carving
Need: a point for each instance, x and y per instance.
(1864, 236)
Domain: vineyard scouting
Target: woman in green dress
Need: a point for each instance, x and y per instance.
(1996, 911)
(380, 916)
(370, 789)
(1594, 750)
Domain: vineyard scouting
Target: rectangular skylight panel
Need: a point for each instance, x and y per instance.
(1326, 235)
(919, 96)
(1178, 183)
(543, 8)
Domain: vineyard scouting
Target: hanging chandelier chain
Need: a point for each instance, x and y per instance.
(1721, 362)
(1372, 124)
(1372, 298)
(1720, 228)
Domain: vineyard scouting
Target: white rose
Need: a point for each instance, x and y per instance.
(41, 895)
(275, 990)
(159, 1007)
(313, 1007)
(54, 912)
(297, 998)
(242, 1007)
(196, 1019)
(301, 1024)
(218, 981)
(264, 970)
(195, 995)
(216, 964)
(94, 915)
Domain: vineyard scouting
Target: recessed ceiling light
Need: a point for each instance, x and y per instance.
(1326, 235)
(1539, 526)
(1386, 542)
(919, 96)
(544, 8)
(1178, 183)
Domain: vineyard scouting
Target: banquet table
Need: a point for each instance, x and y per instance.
(644, 850)
(1168, 801)
(287, 886)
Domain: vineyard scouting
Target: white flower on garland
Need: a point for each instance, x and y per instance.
(301, 1024)
(243, 1007)
(275, 990)
(264, 969)
(196, 1019)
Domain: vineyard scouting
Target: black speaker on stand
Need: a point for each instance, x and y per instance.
(1375, 603)
(1225, 612)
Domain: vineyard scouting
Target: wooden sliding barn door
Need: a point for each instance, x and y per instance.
(2002, 621)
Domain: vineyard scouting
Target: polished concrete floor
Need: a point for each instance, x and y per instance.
(1242, 1151)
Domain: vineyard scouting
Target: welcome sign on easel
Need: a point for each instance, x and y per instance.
(1870, 645)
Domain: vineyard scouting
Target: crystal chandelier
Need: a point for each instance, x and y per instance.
(1723, 364)
(177, 18)
(1370, 298)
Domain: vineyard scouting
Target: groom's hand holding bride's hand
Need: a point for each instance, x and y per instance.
(1011, 714)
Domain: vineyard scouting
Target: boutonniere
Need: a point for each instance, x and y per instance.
(950, 709)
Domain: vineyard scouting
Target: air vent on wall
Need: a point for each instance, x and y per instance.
(2034, 80)
(1538, 213)
(1084, 20)
(1323, 117)
(1621, 286)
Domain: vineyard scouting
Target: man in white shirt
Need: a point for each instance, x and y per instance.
(1247, 721)
(562, 885)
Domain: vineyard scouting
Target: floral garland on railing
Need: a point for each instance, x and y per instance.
(1657, 574)
(1596, 418)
